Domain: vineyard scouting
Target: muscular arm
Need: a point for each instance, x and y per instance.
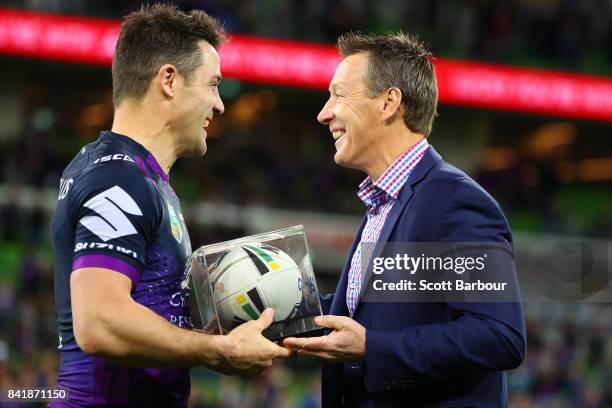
(108, 322)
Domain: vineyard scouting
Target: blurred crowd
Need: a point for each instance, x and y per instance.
(268, 150)
(569, 358)
(284, 160)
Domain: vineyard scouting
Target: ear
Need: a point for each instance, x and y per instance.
(391, 103)
(167, 78)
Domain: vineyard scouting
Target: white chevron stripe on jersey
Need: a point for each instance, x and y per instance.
(110, 205)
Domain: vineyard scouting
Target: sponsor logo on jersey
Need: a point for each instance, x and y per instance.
(175, 224)
(99, 245)
(111, 221)
(181, 321)
(114, 157)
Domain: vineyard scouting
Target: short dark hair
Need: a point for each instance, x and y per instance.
(156, 35)
(398, 60)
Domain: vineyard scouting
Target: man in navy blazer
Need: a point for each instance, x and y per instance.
(382, 103)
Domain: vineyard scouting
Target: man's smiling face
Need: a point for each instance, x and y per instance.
(198, 102)
(351, 113)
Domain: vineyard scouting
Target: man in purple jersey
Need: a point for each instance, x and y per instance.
(122, 252)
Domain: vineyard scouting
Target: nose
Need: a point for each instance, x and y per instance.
(219, 108)
(326, 114)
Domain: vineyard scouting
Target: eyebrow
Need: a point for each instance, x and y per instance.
(334, 87)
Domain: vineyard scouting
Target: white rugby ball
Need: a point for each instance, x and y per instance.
(250, 278)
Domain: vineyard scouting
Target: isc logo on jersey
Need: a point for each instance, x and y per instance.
(111, 206)
(114, 157)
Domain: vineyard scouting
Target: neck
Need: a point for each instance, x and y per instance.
(393, 145)
(147, 127)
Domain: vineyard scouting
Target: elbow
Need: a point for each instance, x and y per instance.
(93, 337)
(89, 338)
(88, 344)
(514, 348)
(520, 349)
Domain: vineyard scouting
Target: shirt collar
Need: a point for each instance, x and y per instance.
(389, 185)
(141, 154)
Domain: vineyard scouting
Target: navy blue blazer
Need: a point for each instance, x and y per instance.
(431, 354)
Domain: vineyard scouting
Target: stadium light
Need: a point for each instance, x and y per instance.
(309, 65)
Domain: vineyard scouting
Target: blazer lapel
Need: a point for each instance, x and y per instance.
(430, 158)
(338, 306)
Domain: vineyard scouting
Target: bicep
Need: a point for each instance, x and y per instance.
(96, 290)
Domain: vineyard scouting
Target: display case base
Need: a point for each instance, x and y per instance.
(302, 327)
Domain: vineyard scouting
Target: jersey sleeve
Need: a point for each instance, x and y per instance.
(115, 211)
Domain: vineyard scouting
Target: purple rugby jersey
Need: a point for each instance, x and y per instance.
(116, 210)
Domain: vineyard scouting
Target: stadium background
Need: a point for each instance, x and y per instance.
(270, 165)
